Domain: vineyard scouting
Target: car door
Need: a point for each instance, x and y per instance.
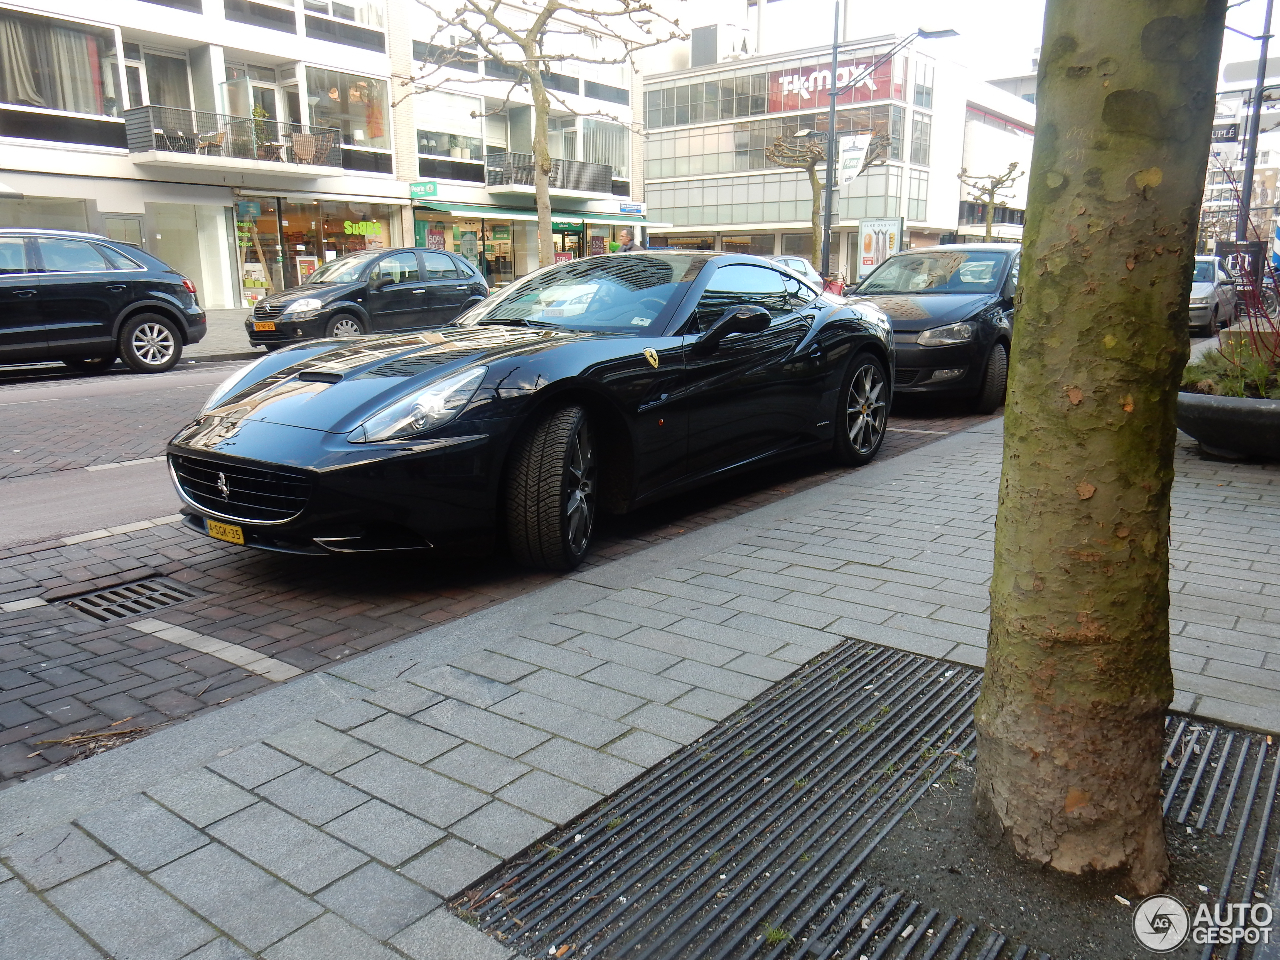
(754, 392)
(1225, 292)
(22, 335)
(81, 294)
(397, 295)
(447, 287)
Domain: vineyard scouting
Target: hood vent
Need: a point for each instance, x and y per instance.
(319, 376)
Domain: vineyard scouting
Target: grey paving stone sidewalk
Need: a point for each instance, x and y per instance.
(331, 816)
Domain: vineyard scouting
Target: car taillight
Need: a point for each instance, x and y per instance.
(191, 287)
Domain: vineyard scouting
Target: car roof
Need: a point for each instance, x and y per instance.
(41, 232)
(1003, 247)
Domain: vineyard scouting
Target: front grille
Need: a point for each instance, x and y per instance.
(262, 335)
(262, 310)
(130, 600)
(904, 377)
(256, 494)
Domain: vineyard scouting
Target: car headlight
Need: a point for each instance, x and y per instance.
(228, 385)
(429, 407)
(1199, 301)
(952, 333)
(305, 305)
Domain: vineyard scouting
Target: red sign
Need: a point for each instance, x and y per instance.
(435, 240)
(563, 257)
(801, 88)
(597, 246)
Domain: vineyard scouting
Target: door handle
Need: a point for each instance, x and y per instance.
(24, 293)
(420, 290)
(116, 287)
(661, 398)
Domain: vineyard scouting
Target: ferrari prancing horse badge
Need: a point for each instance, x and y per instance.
(652, 356)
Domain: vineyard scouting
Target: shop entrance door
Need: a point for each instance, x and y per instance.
(568, 240)
(124, 229)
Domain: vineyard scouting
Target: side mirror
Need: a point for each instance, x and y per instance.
(744, 318)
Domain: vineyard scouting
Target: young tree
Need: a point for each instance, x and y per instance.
(989, 191)
(1078, 672)
(804, 153)
(526, 40)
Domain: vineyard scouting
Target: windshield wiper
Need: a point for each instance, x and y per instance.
(513, 322)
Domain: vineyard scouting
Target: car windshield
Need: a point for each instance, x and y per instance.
(345, 270)
(938, 271)
(1204, 272)
(626, 292)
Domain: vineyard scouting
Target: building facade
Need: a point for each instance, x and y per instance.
(245, 142)
(708, 128)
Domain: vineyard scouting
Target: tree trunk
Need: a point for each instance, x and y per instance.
(812, 169)
(541, 165)
(991, 215)
(1078, 673)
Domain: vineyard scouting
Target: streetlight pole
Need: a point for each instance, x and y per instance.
(1255, 123)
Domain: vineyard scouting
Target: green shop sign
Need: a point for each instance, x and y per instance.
(362, 228)
(423, 189)
(566, 224)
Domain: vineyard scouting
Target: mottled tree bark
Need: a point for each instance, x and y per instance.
(1078, 673)
(541, 163)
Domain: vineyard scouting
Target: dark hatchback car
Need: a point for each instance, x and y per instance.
(606, 382)
(369, 293)
(952, 313)
(86, 300)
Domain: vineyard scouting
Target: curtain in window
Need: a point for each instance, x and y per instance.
(606, 143)
(17, 79)
(167, 81)
(77, 72)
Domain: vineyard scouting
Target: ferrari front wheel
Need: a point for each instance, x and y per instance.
(551, 492)
(862, 412)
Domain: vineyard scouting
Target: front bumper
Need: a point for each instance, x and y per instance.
(1199, 315)
(296, 490)
(287, 330)
(931, 370)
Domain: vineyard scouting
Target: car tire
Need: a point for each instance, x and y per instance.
(551, 492)
(862, 411)
(90, 364)
(994, 380)
(344, 325)
(150, 343)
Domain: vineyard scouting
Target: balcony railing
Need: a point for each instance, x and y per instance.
(516, 169)
(203, 134)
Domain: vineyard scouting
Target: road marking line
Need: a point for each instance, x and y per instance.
(123, 463)
(18, 403)
(15, 605)
(252, 660)
(126, 528)
(940, 433)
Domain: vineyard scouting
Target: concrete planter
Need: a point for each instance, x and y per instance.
(1233, 427)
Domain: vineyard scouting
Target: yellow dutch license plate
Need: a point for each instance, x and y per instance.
(264, 324)
(225, 531)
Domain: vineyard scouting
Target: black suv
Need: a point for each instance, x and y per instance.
(85, 300)
(374, 291)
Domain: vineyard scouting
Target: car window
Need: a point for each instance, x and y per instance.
(344, 270)
(438, 266)
(734, 285)
(400, 267)
(1013, 272)
(799, 294)
(1204, 272)
(937, 271)
(13, 255)
(62, 255)
(116, 259)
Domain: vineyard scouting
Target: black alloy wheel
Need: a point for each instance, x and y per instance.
(994, 381)
(344, 325)
(90, 364)
(551, 492)
(150, 343)
(863, 411)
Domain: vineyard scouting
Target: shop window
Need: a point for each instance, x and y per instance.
(758, 245)
(44, 213)
(57, 65)
(355, 105)
(921, 131)
(660, 240)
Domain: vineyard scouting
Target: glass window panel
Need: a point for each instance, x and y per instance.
(57, 65)
(356, 105)
(70, 256)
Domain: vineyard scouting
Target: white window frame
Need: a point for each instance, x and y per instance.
(97, 25)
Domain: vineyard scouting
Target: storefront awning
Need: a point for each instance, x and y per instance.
(524, 213)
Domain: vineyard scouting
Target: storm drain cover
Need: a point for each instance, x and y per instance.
(763, 839)
(131, 599)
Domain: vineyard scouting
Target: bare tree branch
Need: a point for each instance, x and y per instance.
(990, 191)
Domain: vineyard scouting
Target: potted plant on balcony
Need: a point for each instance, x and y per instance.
(455, 146)
(267, 148)
(1230, 399)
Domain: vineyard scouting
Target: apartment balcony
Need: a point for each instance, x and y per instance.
(513, 173)
(198, 140)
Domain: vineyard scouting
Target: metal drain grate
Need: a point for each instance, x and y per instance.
(746, 844)
(131, 599)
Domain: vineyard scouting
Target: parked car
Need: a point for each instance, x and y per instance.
(86, 300)
(801, 266)
(951, 309)
(608, 382)
(1213, 297)
(371, 292)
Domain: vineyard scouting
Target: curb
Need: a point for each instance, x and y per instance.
(215, 358)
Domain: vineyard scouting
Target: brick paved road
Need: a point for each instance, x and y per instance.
(60, 673)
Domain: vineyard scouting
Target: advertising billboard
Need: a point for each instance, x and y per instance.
(878, 240)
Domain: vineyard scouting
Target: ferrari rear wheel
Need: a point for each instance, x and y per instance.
(863, 411)
(551, 492)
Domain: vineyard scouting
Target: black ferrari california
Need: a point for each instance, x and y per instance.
(604, 383)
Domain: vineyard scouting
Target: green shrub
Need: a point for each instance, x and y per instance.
(1216, 375)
